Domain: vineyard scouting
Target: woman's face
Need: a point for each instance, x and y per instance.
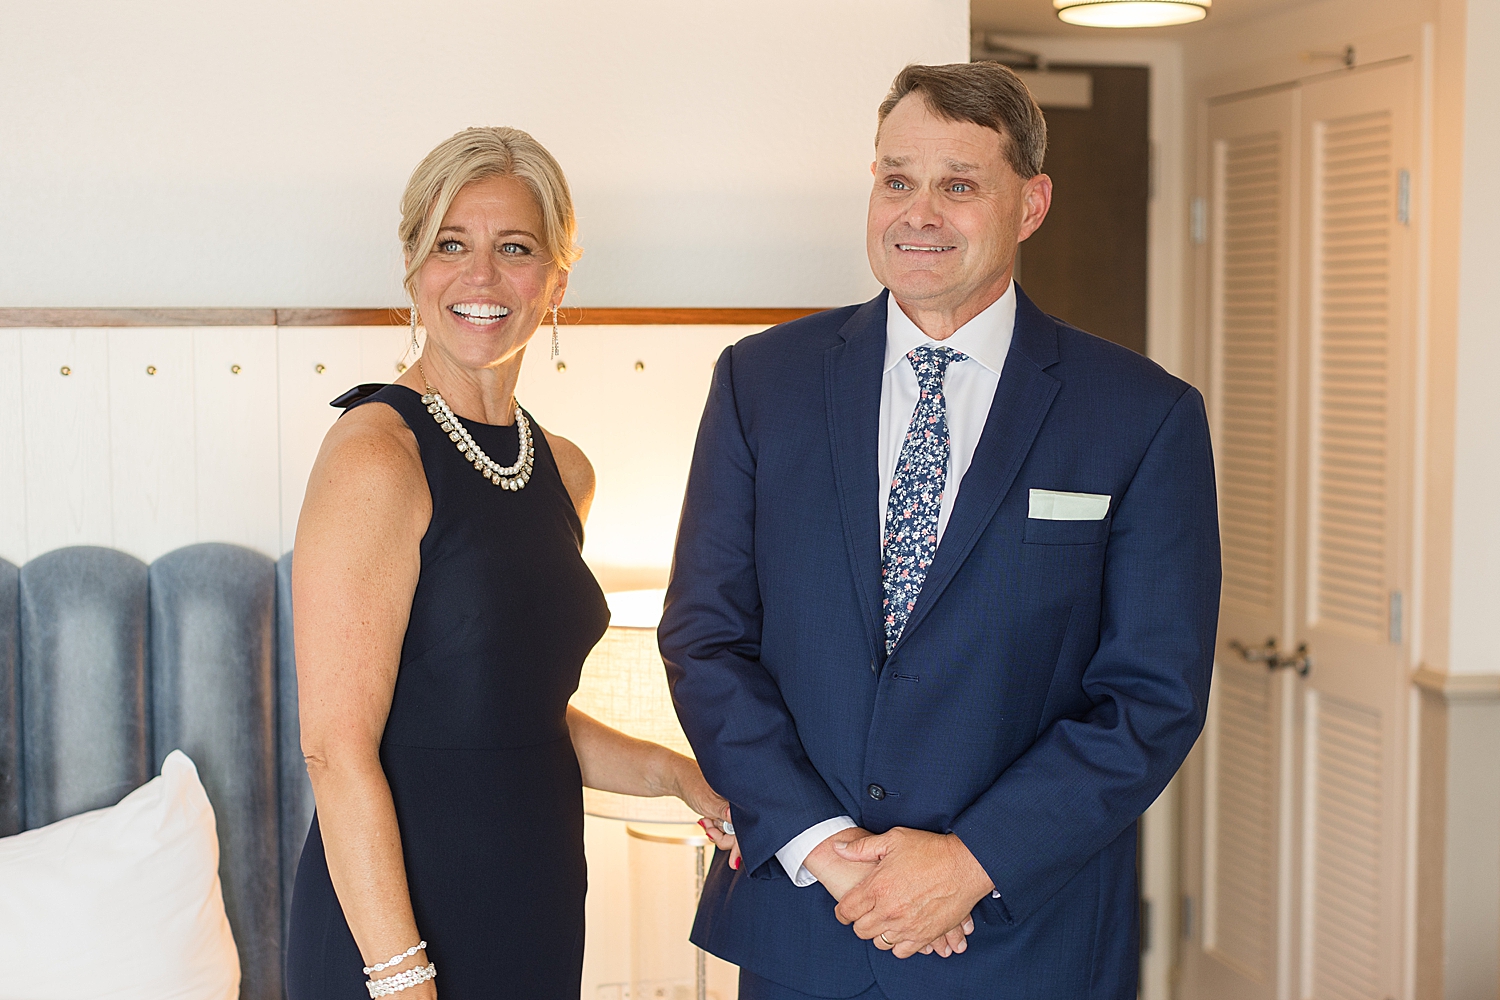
(488, 282)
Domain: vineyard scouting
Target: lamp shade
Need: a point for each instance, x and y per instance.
(1131, 13)
(624, 686)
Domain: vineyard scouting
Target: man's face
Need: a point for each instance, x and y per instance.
(947, 211)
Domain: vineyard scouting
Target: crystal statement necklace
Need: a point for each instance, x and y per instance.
(511, 477)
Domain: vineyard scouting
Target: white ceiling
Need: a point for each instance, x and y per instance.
(1037, 17)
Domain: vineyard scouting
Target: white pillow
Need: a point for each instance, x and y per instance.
(122, 903)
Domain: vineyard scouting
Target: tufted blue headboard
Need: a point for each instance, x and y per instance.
(107, 665)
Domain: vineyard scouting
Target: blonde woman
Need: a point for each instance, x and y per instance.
(443, 614)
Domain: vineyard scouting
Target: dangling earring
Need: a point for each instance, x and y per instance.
(556, 348)
(414, 346)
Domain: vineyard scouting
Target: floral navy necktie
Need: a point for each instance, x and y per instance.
(911, 516)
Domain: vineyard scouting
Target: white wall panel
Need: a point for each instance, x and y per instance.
(636, 426)
(316, 365)
(238, 495)
(68, 467)
(1476, 467)
(12, 451)
(201, 452)
(153, 465)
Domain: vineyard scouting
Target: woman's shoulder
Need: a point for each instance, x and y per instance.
(369, 462)
(576, 470)
(373, 436)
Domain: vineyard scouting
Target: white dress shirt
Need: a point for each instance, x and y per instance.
(969, 387)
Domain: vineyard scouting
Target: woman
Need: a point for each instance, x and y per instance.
(443, 615)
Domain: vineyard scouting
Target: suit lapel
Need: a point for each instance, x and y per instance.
(1022, 399)
(852, 377)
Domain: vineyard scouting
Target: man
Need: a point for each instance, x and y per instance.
(943, 606)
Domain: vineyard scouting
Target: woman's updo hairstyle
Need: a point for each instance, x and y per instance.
(474, 154)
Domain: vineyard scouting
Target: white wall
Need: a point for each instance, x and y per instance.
(1476, 473)
(1299, 39)
(173, 153)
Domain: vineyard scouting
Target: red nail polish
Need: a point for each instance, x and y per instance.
(735, 864)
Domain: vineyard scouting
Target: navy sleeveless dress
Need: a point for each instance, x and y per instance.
(487, 788)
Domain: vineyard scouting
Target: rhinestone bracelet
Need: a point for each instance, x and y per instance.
(401, 981)
(396, 959)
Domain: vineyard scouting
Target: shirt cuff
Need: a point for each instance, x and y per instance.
(795, 853)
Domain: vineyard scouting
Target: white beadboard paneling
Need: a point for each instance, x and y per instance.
(383, 349)
(238, 499)
(12, 451)
(67, 445)
(152, 455)
(315, 364)
(636, 426)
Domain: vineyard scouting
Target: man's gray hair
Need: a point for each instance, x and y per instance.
(985, 93)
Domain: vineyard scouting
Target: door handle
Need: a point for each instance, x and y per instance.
(1298, 661)
(1272, 657)
(1267, 654)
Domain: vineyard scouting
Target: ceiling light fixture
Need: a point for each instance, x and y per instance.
(1131, 13)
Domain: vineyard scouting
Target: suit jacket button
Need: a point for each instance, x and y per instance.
(876, 792)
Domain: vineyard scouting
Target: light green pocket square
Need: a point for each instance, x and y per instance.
(1054, 505)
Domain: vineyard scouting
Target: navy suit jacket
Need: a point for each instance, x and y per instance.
(1049, 682)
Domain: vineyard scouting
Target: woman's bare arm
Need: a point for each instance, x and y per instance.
(577, 473)
(611, 761)
(614, 762)
(354, 572)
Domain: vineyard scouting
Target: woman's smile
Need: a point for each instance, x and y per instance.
(480, 315)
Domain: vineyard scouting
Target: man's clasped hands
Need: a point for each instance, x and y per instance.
(907, 891)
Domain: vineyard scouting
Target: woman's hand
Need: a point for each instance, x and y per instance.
(722, 838)
(693, 789)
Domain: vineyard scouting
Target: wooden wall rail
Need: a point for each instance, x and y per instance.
(581, 316)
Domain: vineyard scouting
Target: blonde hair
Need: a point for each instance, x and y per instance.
(474, 154)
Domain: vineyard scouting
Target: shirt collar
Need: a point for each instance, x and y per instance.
(985, 338)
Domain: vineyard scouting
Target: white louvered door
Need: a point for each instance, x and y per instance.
(1358, 348)
(1295, 842)
(1244, 838)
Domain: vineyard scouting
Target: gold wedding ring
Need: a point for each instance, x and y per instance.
(887, 940)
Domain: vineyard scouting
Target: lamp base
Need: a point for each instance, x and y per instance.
(660, 950)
